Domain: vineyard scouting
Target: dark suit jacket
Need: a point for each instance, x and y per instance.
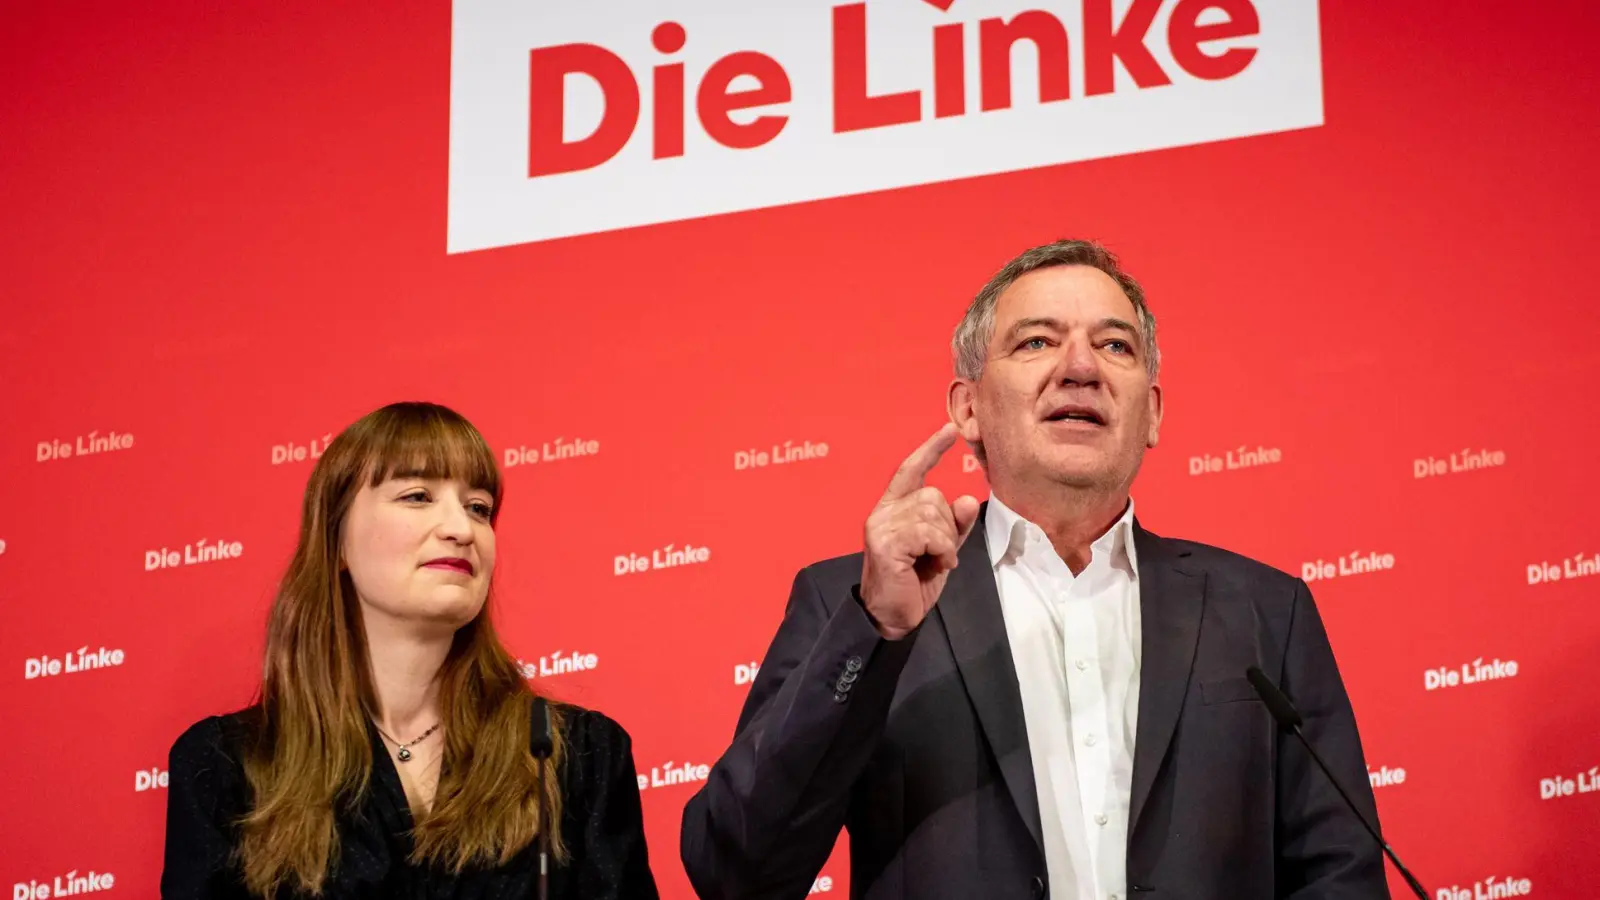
(919, 748)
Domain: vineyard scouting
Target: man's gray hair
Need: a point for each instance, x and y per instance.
(970, 345)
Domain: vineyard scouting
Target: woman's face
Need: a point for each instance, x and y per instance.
(421, 550)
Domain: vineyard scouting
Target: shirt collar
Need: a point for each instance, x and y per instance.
(1008, 534)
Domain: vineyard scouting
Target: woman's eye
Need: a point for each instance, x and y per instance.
(481, 509)
(417, 496)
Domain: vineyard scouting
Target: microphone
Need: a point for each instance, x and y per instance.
(1289, 720)
(542, 745)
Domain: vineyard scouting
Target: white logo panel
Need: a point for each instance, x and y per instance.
(575, 118)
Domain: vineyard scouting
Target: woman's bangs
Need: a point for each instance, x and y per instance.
(433, 447)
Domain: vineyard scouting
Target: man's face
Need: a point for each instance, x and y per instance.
(1064, 396)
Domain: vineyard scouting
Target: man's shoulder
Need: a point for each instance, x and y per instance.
(1227, 568)
(833, 578)
(835, 570)
(1224, 569)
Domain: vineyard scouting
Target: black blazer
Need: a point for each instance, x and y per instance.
(601, 825)
(919, 748)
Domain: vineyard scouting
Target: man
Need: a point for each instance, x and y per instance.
(1040, 697)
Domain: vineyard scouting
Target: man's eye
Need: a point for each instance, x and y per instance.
(1119, 346)
(1037, 343)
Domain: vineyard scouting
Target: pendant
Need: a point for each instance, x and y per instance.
(404, 754)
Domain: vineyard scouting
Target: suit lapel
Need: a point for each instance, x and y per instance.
(970, 611)
(1171, 599)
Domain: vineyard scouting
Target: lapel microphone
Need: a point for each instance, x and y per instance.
(542, 745)
(1289, 720)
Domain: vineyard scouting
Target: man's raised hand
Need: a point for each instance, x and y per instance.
(913, 537)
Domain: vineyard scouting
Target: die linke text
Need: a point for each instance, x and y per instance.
(1105, 42)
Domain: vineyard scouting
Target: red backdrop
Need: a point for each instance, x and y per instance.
(226, 236)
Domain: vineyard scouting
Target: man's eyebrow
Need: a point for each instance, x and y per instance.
(1022, 325)
(1110, 322)
(1114, 322)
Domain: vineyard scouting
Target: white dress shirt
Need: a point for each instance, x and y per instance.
(1075, 643)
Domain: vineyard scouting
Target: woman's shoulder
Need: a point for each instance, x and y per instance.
(595, 742)
(587, 724)
(206, 772)
(212, 741)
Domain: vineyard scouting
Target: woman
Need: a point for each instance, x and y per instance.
(389, 753)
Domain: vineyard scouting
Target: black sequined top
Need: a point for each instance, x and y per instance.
(601, 825)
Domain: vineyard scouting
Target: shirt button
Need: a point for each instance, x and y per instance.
(1081, 664)
(1090, 740)
(1101, 819)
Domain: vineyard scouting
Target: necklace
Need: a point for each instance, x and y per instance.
(404, 754)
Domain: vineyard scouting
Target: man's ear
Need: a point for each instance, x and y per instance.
(1154, 437)
(961, 402)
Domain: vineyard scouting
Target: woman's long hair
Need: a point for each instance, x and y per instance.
(310, 757)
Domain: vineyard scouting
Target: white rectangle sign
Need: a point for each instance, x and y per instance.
(575, 118)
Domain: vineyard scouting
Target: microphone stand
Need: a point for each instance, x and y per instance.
(1411, 880)
(1289, 719)
(543, 745)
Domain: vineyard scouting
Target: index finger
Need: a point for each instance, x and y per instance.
(915, 469)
